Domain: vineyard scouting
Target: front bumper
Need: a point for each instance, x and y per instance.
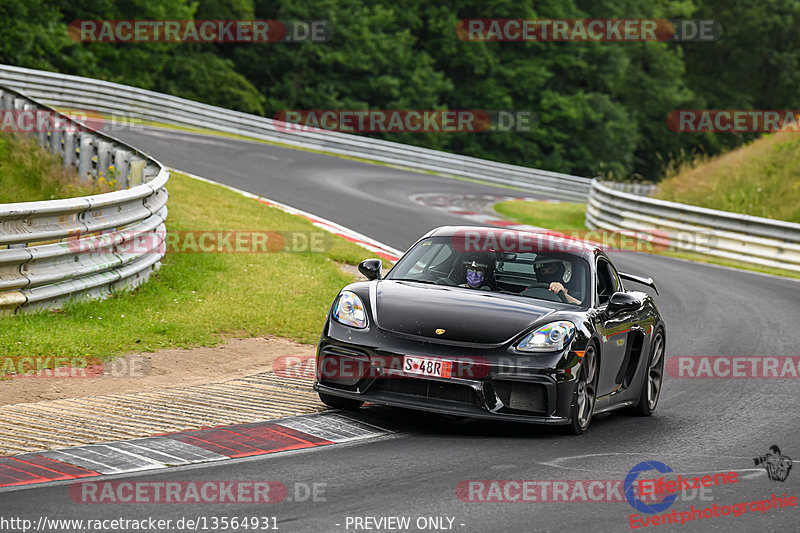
(496, 383)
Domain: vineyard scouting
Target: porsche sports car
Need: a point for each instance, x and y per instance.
(494, 323)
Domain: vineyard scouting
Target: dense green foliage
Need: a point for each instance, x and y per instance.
(601, 106)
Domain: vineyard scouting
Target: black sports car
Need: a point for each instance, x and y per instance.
(494, 323)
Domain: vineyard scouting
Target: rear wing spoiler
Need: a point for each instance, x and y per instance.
(644, 281)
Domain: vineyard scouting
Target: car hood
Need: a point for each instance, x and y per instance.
(464, 315)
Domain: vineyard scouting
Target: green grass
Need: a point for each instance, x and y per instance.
(199, 298)
(550, 215)
(29, 172)
(761, 179)
(569, 217)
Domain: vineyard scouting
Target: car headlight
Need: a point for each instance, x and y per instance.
(349, 310)
(548, 338)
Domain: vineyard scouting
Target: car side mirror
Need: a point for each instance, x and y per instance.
(371, 268)
(622, 301)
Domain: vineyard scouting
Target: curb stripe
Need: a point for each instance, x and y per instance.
(190, 447)
(63, 470)
(334, 427)
(102, 458)
(14, 471)
(255, 431)
(241, 445)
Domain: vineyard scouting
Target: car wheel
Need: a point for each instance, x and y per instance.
(654, 375)
(585, 392)
(340, 403)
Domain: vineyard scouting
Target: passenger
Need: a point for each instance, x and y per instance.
(478, 275)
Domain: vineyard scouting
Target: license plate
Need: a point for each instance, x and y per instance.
(423, 366)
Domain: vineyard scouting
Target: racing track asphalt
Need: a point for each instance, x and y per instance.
(700, 426)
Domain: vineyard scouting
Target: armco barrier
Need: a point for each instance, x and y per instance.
(57, 250)
(84, 93)
(749, 239)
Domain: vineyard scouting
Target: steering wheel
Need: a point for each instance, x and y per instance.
(546, 286)
(446, 281)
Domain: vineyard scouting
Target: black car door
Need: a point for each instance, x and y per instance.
(615, 330)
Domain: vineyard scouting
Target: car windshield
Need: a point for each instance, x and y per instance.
(447, 261)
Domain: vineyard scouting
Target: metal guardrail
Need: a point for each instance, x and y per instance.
(639, 189)
(86, 247)
(744, 238)
(83, 93)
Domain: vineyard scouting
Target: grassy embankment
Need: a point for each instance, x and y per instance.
(760, 179)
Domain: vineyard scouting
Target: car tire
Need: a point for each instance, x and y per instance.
(653, 377)
(585, 395)
(340, 403)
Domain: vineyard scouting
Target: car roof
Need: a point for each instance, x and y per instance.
(549, 239)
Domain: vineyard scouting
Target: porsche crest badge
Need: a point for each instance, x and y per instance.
(439, 331)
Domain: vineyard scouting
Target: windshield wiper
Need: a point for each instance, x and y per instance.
(416, 280)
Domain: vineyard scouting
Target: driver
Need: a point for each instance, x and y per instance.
(553, 273)
(477, 274)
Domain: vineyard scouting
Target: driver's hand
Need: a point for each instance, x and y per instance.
(557, 287)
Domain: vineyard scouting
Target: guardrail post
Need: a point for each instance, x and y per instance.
(24, 107)
(56, 136)
(42, 127)
(137, 171)
(149, 173)
(104, 160)
(70, 155)
(87, 148)
(122, 160)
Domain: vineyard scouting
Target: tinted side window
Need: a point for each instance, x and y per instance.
(607, 283)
